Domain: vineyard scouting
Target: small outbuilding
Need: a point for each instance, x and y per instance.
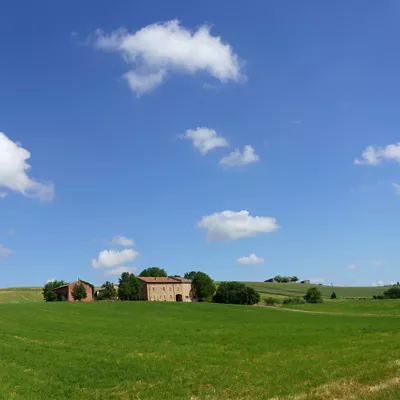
(306, 281)
(64, 293)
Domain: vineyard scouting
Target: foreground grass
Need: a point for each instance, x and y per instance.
(377, 307)
(299, 289)
(145, 350)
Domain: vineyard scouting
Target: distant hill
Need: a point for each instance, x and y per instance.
(21, 295)
(299, 289)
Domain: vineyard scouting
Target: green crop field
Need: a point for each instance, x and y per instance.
(193, 351)
(299, 289)
(354, 307)
(20, 295)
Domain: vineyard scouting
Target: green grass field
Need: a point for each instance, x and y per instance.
(144, 350)
(354, 307)
(20, 295)
(298, 289)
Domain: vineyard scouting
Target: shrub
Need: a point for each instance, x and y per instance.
(203, 286)
(236, 293)
(47, 290)
(313, 295)
(379, 297)
(107, 291)
(333, 295)
(294, 300)
(271, 301)
(79, 292)
(392, 293)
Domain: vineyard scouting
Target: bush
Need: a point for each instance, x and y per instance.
(271, 301)
(236, 293)
(47, 290)
(333, 295)
(294, 300)
(313, 295)
(379, 297)
(79, 292)
(203, 286)
(392, 293)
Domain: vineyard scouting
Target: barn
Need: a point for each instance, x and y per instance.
(64, 293)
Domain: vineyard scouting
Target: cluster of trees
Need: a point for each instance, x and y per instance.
(392, 293)
(285, 279)
(313, 295)
(235, 293)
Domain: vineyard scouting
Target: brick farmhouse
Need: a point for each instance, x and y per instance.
(65, 292)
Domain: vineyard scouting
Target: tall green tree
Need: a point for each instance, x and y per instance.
(203, 286)
(129, 287)
(189, 275)
(47, 290)
(153, 272)
(236, 293)
(79, 292)
(313, 295)
(107, 292)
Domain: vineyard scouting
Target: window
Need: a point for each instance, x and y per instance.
(163, 288)
(170, 296)
(154, 288)
(186, 297)
(170, 288)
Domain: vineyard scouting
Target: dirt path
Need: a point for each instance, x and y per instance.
(330, 312)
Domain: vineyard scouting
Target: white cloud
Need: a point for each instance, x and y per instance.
(396, 187)
(13, 171)
(112, 258)
(4, 252)
(205, 139)
(252, 259)
(352, 267)
(237, 158)
(123, 241)
(50, 280)
(374, 155)
(119, 271)
(3, 195)
(159, 48)
(378, 283)
(229, 225)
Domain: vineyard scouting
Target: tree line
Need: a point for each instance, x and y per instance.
(285, 279)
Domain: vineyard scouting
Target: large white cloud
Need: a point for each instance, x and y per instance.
(119, 270)
(374, 155)
(230, 225)
(13, 171)
(4, 252)
(112, 258)
(123, 241)
(237, 158)
(252, 259)
(159, 48)
(205, 139)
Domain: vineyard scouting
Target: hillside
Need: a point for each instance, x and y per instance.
(20, 295)
(299, 289)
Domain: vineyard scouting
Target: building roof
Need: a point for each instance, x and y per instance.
(72, 283)
(183, 280)
(160, 279)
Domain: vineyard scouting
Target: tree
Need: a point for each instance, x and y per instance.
(48, 293)
(129, 287)
(107, 291)
(333, 295)
(313, 295)
(79, 292)
(392, 293)
(285, 279)
(236, 293)
(189, 275)
(203, 286)
(278, 278)
(294, 279)
(153, 272)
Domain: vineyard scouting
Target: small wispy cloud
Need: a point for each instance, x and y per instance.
(396, 187)
(352, 267)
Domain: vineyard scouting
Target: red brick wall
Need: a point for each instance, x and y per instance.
(88, 291)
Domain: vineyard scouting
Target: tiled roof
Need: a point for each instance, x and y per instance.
(183, 280)
(160, 280)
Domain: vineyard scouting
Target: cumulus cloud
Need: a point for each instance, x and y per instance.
(374, 155)
(119, 270)
(237, 158)
(396, 187)
(112, 258)
(351, 267)
(205, 139)
(4, 252)
(230, 225)
(13, 171)
(161, 48)
(123, 241)
(252, 259)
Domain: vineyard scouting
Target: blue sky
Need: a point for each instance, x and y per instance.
(110, 119)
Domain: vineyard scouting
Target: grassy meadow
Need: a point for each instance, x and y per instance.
(20, 295)
(193, 351)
